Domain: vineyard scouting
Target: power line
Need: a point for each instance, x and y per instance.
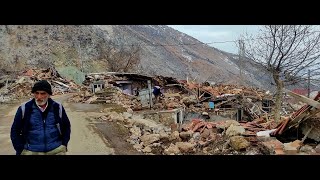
(179, 44)
(200, 43)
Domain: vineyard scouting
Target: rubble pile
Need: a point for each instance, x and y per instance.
(253, 134)
(224, 137)
(195, 97)
(218, 90)
(90, 78)
(127, 101)
(177, 94)
(22, 84)
(169, 103)
(59, 84)
(108, 95)
(306, 118)
(207, 138)
(21, 88)
(197, 137)
(84, 95)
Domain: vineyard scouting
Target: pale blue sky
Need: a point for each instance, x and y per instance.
(217, 33)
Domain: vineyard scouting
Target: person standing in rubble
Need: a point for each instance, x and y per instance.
(157, 93)
(41, 125)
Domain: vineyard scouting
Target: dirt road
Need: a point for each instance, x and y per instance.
(86, 138)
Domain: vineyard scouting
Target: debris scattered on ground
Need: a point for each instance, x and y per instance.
(225, 119)
(21, 85)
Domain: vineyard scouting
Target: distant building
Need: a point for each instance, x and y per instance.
(300, 91)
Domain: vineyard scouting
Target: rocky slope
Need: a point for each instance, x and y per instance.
(163, 51)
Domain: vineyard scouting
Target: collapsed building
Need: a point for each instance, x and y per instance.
(199, 115)
(19, 84)
(195, 118)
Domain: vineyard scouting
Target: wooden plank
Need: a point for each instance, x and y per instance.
(306, 135)
(62, 84)
(304, 99)
(171, 94)
(305, 115)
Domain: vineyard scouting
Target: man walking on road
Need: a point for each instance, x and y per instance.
(41, 125)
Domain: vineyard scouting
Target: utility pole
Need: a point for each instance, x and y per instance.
(49, 49)
(150, 94)
(80, 56)
(241, 55)
(309, 83)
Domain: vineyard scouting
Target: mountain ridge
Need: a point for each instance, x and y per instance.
(164, 51)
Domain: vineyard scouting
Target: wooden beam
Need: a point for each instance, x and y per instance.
(306, 135)
(62, 84)
(304, 99)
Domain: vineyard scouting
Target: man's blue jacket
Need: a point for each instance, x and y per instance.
(40, 131)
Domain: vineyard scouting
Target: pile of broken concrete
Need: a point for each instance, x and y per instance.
(201, 137)
(109, 95)
(212, 138)
(20, 86)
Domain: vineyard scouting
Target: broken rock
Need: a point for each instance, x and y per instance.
(185, 146)
(191, 140)
(307, 149)
(175, 137)
(174, 127)
(196, 136)
(172, 150)
(234, 130)
(126, 115)
(186, 135)
(157, 129)
(91, 99)
(149, 139)
(138, 147)
(104, 118)
(231, 122)
(205, 134)
(270, 146)
(292, 147)
(133, 142)
(317, 149)
(129, 110)
(156, 145)
(116, 117)
(239, 143)
(164, 136)
(205, 150)
(147, 149)
(189, 100)
(135, 131)
(185, 127)
(226, 124)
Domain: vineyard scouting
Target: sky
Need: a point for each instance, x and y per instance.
(217, 33)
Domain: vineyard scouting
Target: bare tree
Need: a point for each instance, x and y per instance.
(287, 51)
(120, 58)
(125, 59)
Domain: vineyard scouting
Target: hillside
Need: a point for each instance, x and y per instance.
(164, 51)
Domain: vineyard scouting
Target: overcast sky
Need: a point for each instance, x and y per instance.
(217, 33)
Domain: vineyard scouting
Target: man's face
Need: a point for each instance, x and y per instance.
(41, 97)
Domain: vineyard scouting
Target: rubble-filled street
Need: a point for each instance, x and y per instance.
(112, 113)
